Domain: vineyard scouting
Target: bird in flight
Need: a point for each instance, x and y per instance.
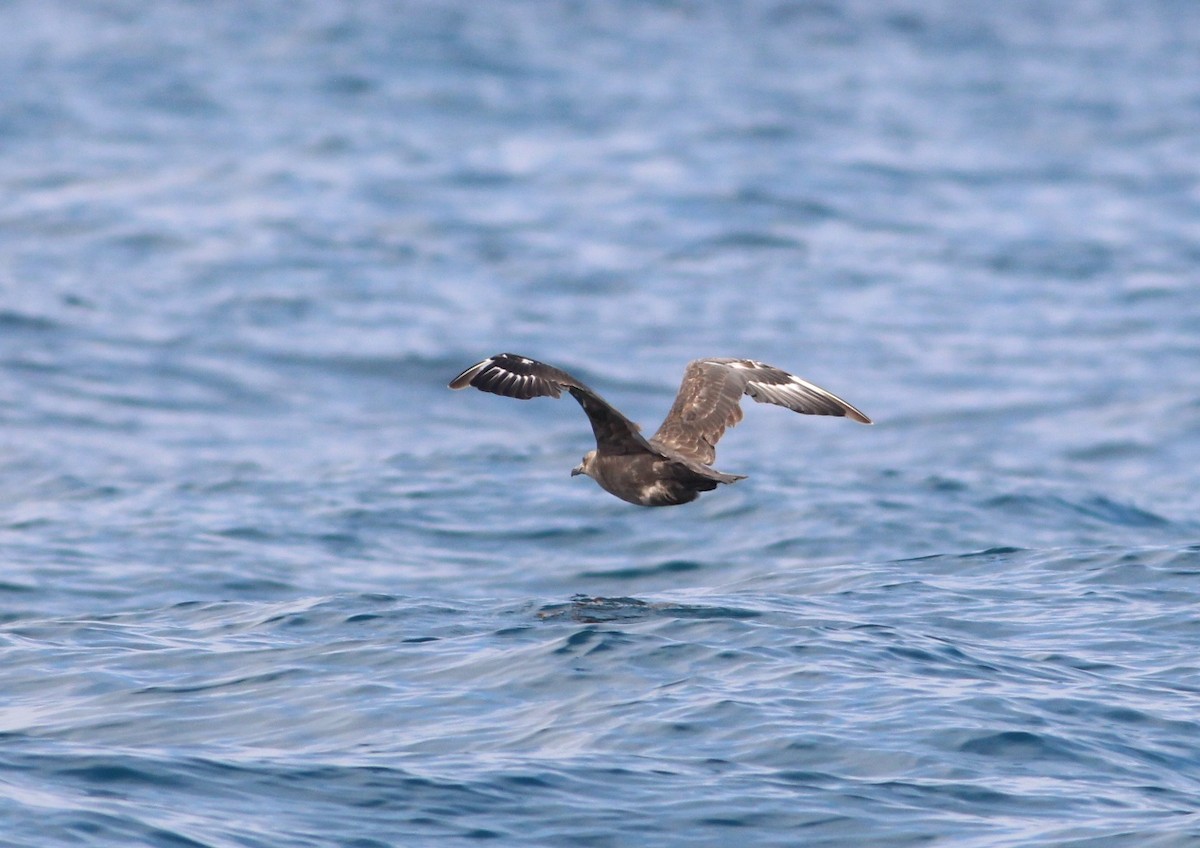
(675, 464)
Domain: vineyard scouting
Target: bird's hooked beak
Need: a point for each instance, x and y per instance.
(582, 467)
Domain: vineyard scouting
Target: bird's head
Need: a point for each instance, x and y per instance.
(585, 467)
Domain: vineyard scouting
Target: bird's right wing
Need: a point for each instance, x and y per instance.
(520, 377)
(709, 402)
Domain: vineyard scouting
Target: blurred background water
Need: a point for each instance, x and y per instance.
(266, 582)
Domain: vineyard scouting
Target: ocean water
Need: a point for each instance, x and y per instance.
(265, 581)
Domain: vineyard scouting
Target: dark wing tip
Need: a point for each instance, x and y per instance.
(464, 379)
(827, 403)
(768, 384)
(515, 376)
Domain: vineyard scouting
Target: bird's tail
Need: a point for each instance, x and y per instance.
(722, 477)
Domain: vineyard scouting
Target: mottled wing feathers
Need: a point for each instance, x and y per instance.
(706, 404)
(709, 401)
(515, 376)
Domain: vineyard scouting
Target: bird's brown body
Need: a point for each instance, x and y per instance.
(649, 480)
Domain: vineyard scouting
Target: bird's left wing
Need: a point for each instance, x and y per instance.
(515, 376)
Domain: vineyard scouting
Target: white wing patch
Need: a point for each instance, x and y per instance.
(768, 384)
(744, 364)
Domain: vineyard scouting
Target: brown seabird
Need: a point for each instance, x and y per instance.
(675, 464)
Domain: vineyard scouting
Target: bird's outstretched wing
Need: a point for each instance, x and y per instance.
(709, 401)
(520, 377)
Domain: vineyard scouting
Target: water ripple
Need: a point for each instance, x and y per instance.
(268, 583)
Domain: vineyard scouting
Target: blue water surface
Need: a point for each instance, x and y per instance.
(265, 581)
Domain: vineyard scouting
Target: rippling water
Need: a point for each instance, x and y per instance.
(266, 582)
